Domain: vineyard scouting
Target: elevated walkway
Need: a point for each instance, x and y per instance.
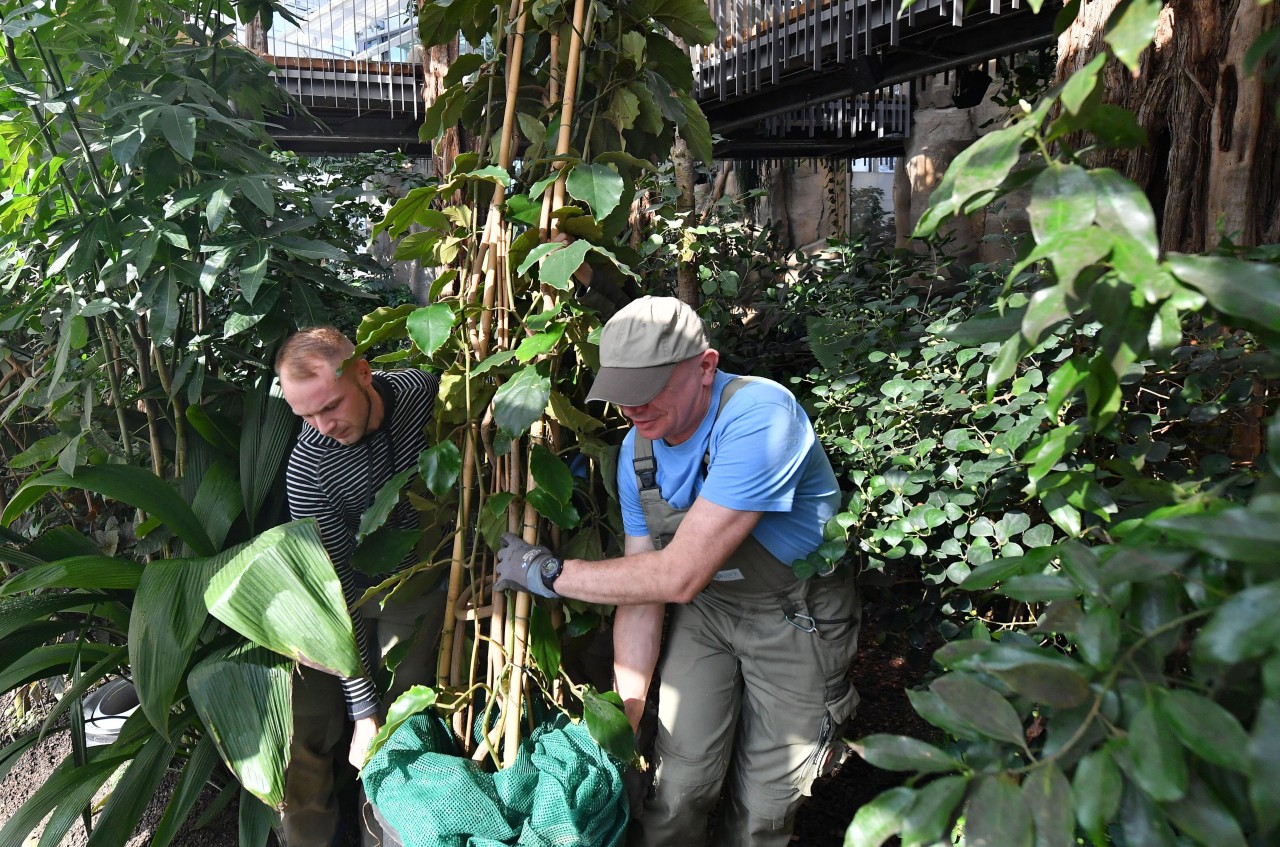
(788, 78)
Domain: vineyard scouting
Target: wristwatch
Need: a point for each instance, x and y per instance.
(550, 568)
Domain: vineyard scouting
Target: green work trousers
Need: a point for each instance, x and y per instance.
(310, 816)
(754, 692)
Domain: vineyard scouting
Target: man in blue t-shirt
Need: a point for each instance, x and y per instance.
(723, 487)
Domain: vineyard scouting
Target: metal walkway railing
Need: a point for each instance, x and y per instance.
(355, 64)
(782, 71)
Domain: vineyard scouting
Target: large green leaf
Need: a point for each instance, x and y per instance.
(976, 172)
(439, 466)
(544, 642)
(881, 819)
(599, 186)
(608, 724)
(244, 696)
(52, 660)
(408, 704)
(688, 20)
(1246, 626)
(255, 821)
(1204, 817)
(132, 485)
(550, 473)
(557, 268)
(1048, 796)
(384, 501)
(18, 612)
(1264, 765)
(280, 591)
(1039, 676)
(195, 773)
(1245, 291)
(430, 327)
(997, 816)
(1159, 765)
(900, 753)
(1132, 28)
(131, 795)
(1206, 728)
(520, 401)
(1124, 208)
(169, 612)
(1095, 788)
(69, 790)
(1062, 199)
(76, 572)
(218, 501)
(266, 430)
(980, 707)
(931, 815)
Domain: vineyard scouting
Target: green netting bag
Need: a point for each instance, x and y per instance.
(562, 790)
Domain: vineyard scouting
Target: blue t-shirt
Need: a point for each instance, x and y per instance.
(765, 458)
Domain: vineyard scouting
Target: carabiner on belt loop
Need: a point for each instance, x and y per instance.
(794, 618)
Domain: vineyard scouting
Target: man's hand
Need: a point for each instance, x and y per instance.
(361, 737)
(520, 566)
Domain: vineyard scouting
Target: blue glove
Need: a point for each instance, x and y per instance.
(526, 567)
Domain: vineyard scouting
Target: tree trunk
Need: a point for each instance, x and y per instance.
(1211, 166)
(435, 64)
(685, 174)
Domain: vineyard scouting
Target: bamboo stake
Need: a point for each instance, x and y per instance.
(444, 670)
(570, 89)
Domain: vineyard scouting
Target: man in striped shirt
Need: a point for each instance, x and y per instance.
(359, 430)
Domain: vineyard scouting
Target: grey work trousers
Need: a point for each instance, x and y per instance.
(752, 703)
(310, 816)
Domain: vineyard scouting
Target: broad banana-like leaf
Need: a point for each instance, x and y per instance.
(265, 433)
(256, 821)
(138, 487)
(61, 542)
(195, 773)
(51, 660)
(218, 501)
(17, 612)
(280, 591)
(168, 614)
(76, 572)
(244, 696)
(132, 793)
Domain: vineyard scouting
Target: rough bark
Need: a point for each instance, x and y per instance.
(435, 64)
(686, 273)
(1211, 165)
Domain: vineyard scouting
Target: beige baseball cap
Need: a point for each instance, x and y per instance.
(641, 345)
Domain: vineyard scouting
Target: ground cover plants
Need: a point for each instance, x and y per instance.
(1134, 700)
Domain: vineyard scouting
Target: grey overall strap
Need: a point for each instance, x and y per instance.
(660, 517)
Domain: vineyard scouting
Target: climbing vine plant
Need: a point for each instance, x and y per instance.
(572, 104)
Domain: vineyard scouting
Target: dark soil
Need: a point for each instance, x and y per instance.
(882, 675)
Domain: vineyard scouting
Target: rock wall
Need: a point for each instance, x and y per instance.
(939, 133)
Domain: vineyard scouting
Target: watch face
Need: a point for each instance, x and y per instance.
(550, 567)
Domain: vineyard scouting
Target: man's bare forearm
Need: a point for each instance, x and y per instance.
(637, 637)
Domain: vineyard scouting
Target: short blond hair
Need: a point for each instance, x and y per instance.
(302, 353)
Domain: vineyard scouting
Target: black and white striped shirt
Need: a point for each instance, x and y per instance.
(334, 483)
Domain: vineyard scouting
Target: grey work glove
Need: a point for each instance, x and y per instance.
(521, 567)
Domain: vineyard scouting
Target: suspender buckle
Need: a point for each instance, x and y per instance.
(646, 472)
